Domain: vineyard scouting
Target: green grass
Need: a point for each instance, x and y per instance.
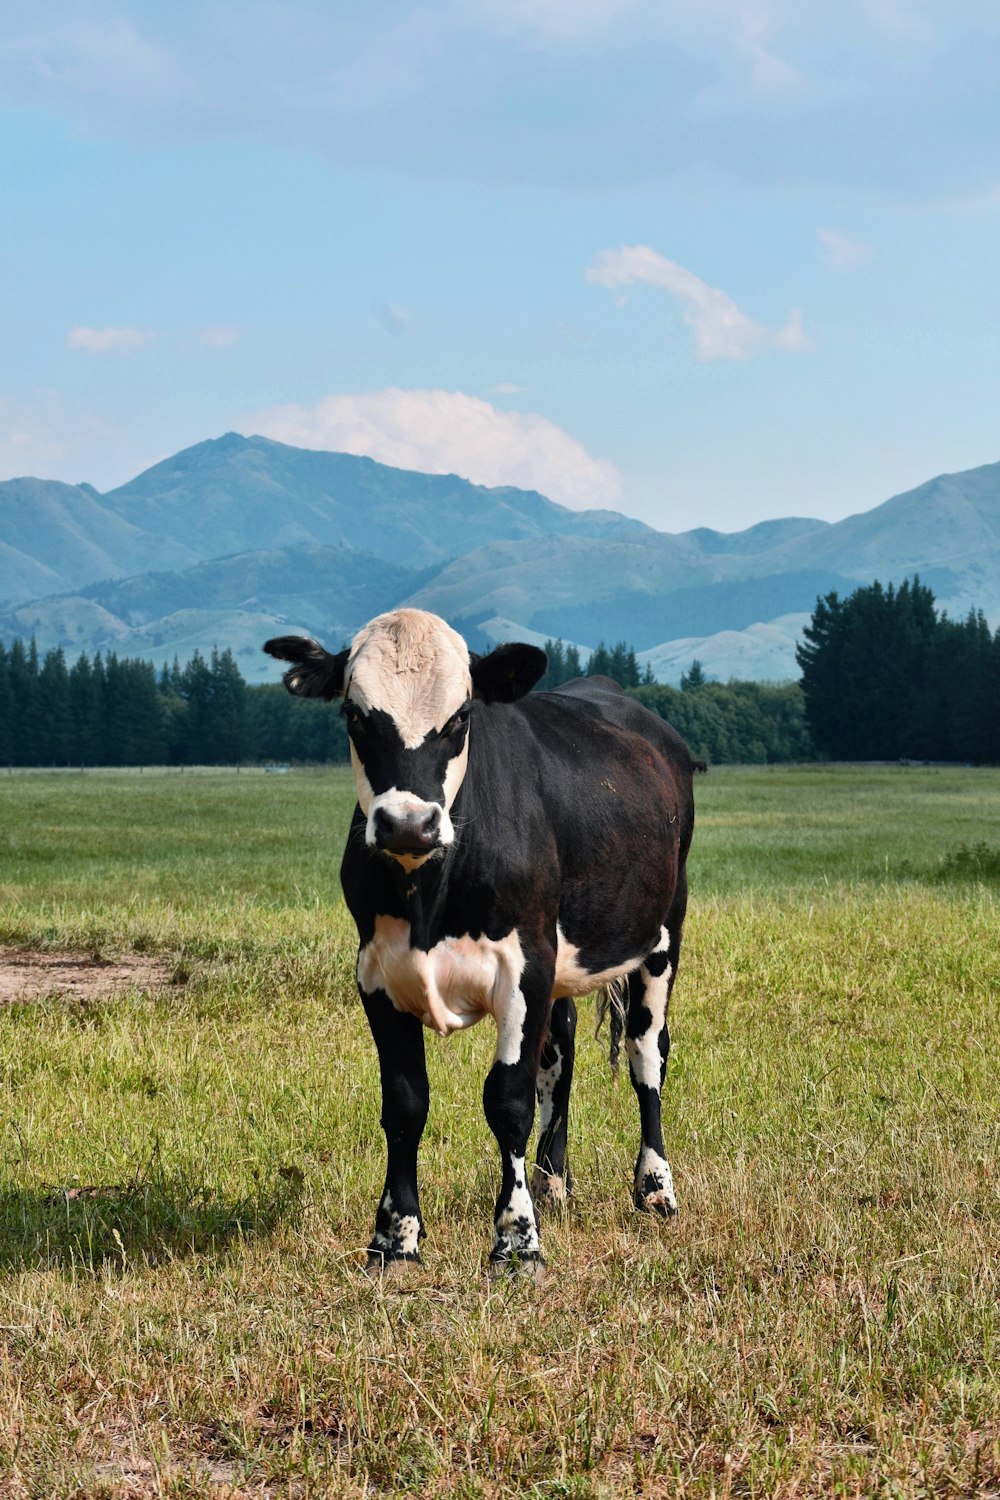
(187, 1181)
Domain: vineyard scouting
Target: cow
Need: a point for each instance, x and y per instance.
(509, 851)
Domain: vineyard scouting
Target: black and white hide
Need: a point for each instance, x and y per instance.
(509, 851)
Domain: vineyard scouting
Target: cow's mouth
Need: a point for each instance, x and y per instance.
(411, 848)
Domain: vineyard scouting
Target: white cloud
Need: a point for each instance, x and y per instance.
(721, 329)
(507, 388)
(109, 340)
(217, 337)
(445, 432)
(840, 252)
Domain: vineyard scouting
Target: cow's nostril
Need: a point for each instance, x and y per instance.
(407, 832)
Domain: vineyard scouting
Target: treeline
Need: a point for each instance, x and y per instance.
(118, 711)
(885, 677)
(617, 662)
(751, 723)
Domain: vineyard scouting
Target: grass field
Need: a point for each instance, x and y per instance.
(188, 1177)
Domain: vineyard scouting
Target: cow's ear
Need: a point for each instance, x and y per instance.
(507, 673)
(316, 673)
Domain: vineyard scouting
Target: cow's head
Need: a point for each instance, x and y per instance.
(407, 682)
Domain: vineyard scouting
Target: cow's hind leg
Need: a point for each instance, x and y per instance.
(399, 1227)
(551, 1180)
(647, 1042)
(509, 1105)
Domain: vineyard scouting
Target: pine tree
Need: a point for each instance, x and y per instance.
(227, 732)
(53, 726)
(599, 664)
(196, 690)
(85, 703)
(22, 672)
(555, 672)
(6, 712)
(147, 739)
(694, 677)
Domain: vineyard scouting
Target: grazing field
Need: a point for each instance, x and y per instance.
(190, 1166)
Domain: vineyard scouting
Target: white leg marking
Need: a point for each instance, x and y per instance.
(546, 1188)
(546, 1088)
(517, 1227)
(644, 1051)
(403, 1237)
(654, 1183)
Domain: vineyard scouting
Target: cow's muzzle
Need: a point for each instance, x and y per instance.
(413, 833)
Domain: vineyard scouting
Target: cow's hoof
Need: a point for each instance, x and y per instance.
(521, 1268)
(382, 1267)
(656, 1202)
(550, 1191)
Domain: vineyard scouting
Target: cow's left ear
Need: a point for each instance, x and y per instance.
(507, 673)
(317, 673)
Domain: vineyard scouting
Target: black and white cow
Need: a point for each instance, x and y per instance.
(507, 853)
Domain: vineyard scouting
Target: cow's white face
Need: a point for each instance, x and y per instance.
(407, 700)
(407, 683)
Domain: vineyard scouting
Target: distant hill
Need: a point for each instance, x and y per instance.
(761, 653)
(327, 591)
(57, 536)
(227, 540)
(237, 494)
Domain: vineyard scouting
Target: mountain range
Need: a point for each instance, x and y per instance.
(233, 539)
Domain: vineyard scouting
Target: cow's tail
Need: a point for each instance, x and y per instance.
(611, 1004)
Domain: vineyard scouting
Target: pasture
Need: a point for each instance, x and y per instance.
(189, 1172)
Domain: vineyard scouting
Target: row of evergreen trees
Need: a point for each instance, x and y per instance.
(750, 723)
(617, 662)
(119, 711)
(887, 677)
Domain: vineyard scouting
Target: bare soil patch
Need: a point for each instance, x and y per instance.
(30, 974)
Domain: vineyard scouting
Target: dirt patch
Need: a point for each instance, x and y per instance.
(30, 974)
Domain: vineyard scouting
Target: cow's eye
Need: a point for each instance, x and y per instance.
(355, 718)
(457, 723)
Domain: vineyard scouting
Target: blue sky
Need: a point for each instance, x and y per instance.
(707, 263)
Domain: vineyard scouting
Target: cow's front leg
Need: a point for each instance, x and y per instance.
(509, 1104)
(399, 1037)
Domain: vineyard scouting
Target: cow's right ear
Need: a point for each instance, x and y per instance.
(508, 672)
(316, 673)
